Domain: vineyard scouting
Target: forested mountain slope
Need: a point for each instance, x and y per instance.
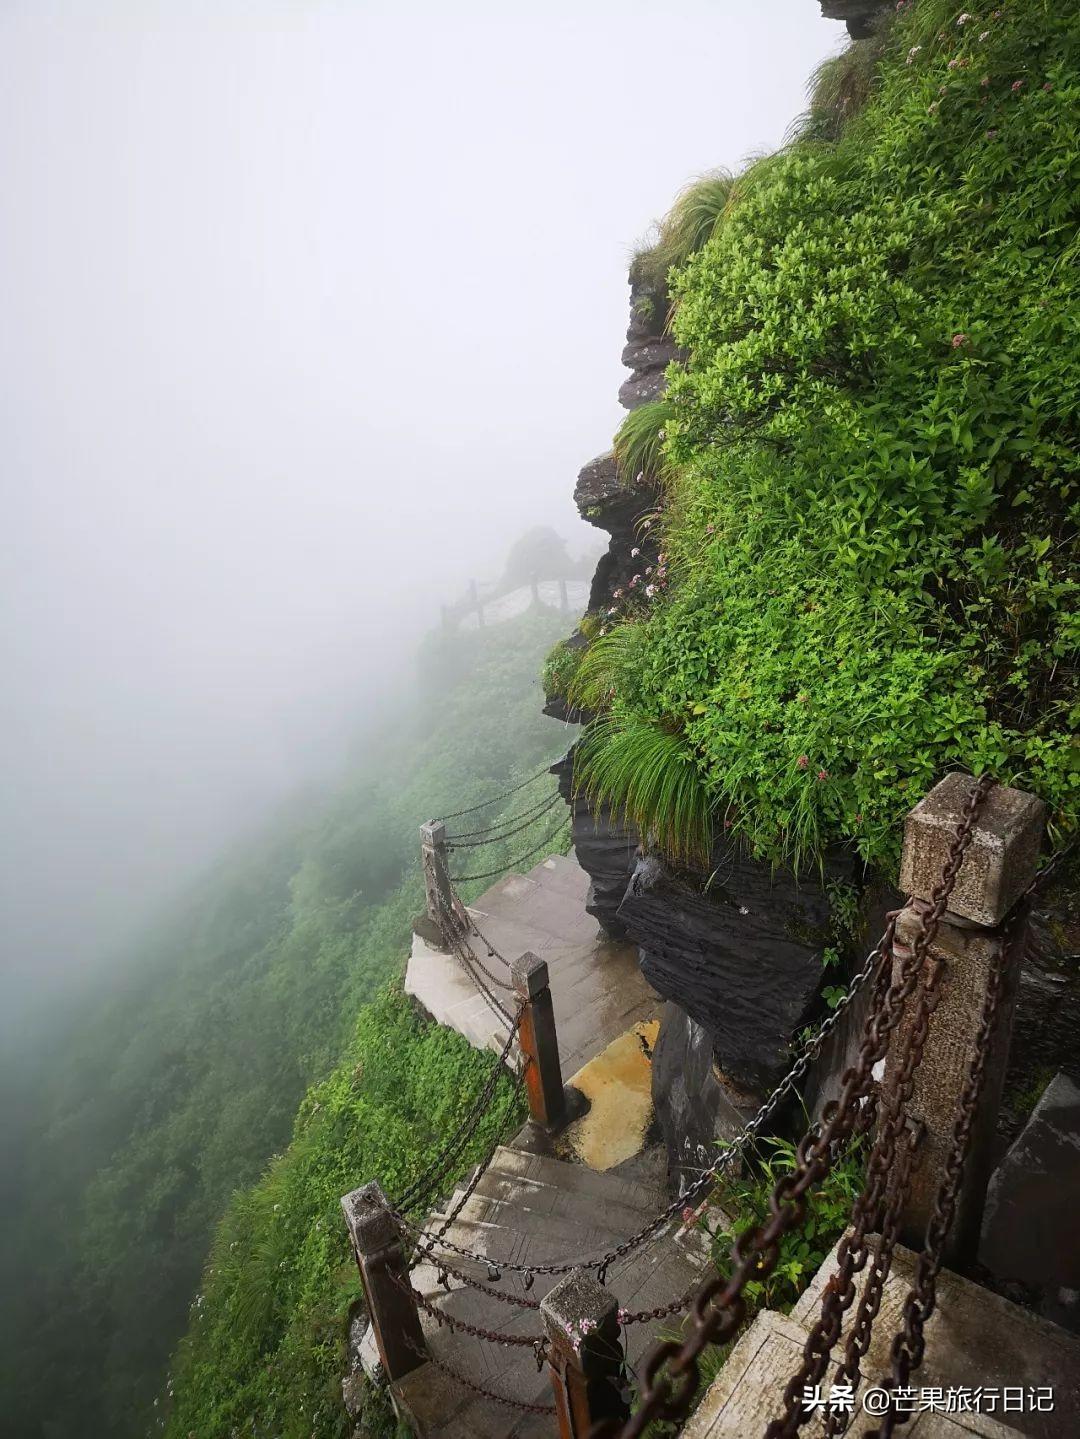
(174, 1092)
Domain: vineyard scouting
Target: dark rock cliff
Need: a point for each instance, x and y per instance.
(861, 16)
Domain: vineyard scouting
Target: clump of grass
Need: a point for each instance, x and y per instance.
(687, 226)
(639, 444)
(645, 773)
(606, 666)
(839, 90)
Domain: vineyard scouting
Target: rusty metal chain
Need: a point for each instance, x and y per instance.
(480, 1389)
(444, 1269)
(425, 1182)
(883, 1164)
(671, 1371)
(457, 939)
(514, 789)
(495, 835)
(513, 863)
(909, 1343)
(535, 1342)
(849, 1371)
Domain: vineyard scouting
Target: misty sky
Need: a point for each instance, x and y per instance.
(308, 310)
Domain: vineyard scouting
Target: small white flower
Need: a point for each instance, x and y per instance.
(635, 552)
(983, 36)
(912, 53)
(650, 590)
(964, 18)
(612, 610)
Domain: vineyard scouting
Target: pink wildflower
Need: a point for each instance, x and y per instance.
(822, 774)
(990, 135)
(710, 529)
(688, 1215)
(958, 340)
(803, 761)
(1048, 86)
(1017, 85)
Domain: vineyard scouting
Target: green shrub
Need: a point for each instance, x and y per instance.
(559, 669)
(266, 1345)
(872, 531)
(804, 1249)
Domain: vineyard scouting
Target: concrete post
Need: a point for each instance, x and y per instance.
(384, 1272)
(435, 860)
(564, 602)
(984, 927)
(585, 1354)
(538, 1042)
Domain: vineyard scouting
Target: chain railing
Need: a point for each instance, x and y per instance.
(906, 971)
(671, 1374)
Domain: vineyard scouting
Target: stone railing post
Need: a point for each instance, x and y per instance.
(435, 857)
(538, 1042)
(384, 1272)
(585, 1354)
(984, 928)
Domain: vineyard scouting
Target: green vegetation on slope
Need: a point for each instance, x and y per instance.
(871, 494)
(176, 1090)
(266, 1347)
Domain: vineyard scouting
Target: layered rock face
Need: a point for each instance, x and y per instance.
(740, 953)
(859, 15)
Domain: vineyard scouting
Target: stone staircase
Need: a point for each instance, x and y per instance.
(530, 1208)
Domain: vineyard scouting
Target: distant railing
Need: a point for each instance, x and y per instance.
(489, 604)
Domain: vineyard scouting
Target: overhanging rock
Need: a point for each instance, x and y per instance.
(741, 955)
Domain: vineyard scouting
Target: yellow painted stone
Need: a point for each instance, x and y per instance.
(618, 1084)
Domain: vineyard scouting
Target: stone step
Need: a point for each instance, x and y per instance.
(576, 1179)
(533, 1237)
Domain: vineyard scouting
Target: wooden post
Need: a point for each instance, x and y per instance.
(984, 928)
(538, 1042)
(384, 1272)
(585, 1354)
(435, 858)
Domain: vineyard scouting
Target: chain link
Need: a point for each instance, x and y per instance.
(489, 836)
(480, 1388)
(512, 863)
(671, 1374)
(514, 789)
(909, 1343)
(459, 1326)
(425, 1183)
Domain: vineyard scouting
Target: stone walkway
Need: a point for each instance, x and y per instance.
(974, 1339)
(597, 987)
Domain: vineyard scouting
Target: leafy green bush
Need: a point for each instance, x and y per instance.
(559, 669)
(804, 1249)
(265, 1349)
(872, 532)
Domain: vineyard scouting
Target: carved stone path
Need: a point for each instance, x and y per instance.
(596, 984)
(974, 1338)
